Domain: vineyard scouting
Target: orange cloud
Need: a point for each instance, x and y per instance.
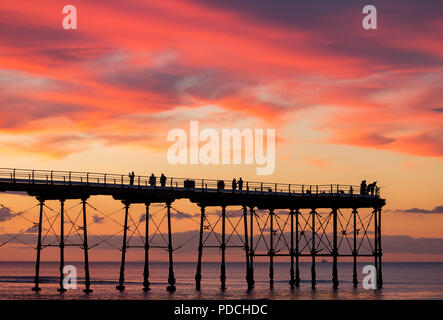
(133, 61)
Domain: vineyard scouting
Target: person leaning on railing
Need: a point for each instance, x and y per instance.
(363, 187)
(162, 180)
(234, 184)
(372, 187)
(131, 178)
(152, 180)
(240, 184)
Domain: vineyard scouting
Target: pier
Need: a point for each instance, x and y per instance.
(289, 220)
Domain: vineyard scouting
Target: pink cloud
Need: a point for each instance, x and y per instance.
(147, 58)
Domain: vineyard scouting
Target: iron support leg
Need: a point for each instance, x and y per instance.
(171, 277)
(335, 251)
(291, 272)
(313, 250)
(376, 244)
(354, 250)
(198, 274)
(380, 252)
(297, 252)
(251, 252)
(39, 248)
(85, 248)
(271, 249)
(146, 282)
(61, 288)
(121, 281)
(223, 251)
(245, 222)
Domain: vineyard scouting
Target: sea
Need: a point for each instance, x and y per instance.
(408, 280)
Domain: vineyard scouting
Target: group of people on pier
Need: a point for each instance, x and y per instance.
(152, 180)
(238, 184)
(368, 189)
(365, 189)
(235, 184)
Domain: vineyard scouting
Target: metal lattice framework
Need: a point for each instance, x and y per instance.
(274, 220)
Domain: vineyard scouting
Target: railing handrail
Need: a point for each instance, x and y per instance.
(88, 173)
(110, 178)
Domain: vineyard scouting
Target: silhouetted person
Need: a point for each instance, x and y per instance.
(363, 187)
(371, 188)
(374, 188)
(240, 184)
(131, 178)
(234, 184)
(368, 189)
(163, 180)
(152, 180)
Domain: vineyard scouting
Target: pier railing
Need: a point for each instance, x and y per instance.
(54, 177)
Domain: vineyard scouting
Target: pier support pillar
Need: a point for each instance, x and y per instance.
(121, 280)
(245, 223)
(354, 250)
(198, 274)
(223, 251)
(334, 250)
(313, 249)
(380, 252)
(171, 277)
(61, 288)
(297, 250)
(146, 282)
(376, 244)
(85, 248)
(251, 251)
(271, 249)
(39, 248)
(291, 252)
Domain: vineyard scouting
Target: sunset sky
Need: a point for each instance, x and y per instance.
(347, 104)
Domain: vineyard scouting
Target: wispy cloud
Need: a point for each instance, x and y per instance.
(98, 219)
(436, 210)
(5, 214)
(266, 61)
